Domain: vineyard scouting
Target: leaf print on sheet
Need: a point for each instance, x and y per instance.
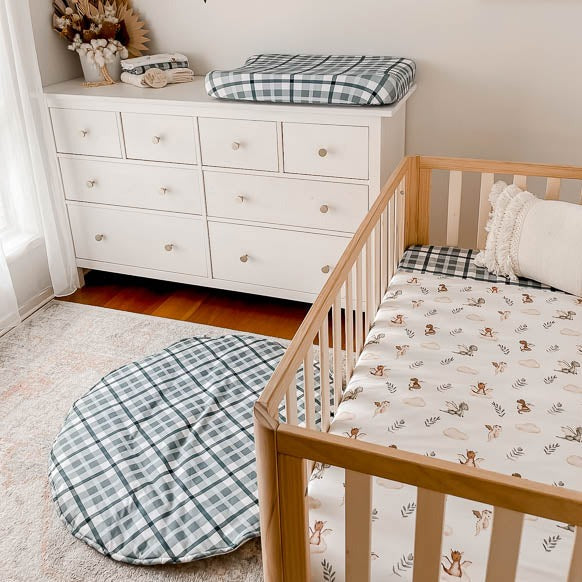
(403, 565)
(551, 448)
(408, 509)
(550, 379)
(556, 408)
(398, 425)
(444, 387)
(328, 572)
(549, 324)
(504, 349)
(551, 542)
(447, 361)
(432, 420)
(391, 387)
(515, 454)
(498, 409)
(519, 383)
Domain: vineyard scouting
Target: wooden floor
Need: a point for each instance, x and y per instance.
(240, 311)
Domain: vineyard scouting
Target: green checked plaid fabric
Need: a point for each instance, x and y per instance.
(339, 80)
(156, 463)
(454, 262)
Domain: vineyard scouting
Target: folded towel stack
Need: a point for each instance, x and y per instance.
(156, 70)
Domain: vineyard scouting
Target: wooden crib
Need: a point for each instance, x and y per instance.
(286, 451)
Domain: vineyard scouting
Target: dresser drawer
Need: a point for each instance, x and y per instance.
(326, 150)
(162, 138)
(284, 259)
(287, 201)
(232, 143)
(139, 239)
(92, 133)
(137, 186)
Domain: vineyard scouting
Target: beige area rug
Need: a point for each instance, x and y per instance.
(46, 363)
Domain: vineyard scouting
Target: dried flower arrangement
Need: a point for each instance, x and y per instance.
(101, 32)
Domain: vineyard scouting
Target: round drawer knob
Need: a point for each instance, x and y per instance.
(322, 153)
(156, 140)
(84, 133)
(163, 190)
(325, 269)
(240, 199)
(169, 247)
(235, 145)
(91, 183)
(99, 237)
(324, 209)
(244, 259)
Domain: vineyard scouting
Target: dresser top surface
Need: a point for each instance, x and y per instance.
(194, 94)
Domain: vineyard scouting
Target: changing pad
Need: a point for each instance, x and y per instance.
(339, 80)
(156, 463)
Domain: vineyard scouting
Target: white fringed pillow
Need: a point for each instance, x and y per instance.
(533, 238)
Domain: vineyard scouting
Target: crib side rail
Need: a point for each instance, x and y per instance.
(512, 498)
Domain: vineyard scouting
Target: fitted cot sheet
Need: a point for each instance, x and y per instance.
(475, 371)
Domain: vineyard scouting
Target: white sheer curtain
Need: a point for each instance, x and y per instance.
(29, 182)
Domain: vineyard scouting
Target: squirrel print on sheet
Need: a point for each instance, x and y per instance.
(316, 537)
(525, 346)
(523, 406)
(430, 329)
(494, 431)
(504, 315)
(381, 407)
(414, 384)
(470, 459)
(398, 319)
(484, 518)
(352, 393)
(455, 565)
(401, 350)
(568, 367)
(355, 433)
(379, 371)
(481, 389)
(526, 298)
(499, 367)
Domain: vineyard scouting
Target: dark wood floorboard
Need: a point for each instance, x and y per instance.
(240, 311)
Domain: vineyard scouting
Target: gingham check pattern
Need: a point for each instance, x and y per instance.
(455, 262)
(156, 464)
(162, 66)
(340, 80)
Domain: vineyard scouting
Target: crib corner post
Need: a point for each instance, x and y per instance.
(268, 489)
(417, 184)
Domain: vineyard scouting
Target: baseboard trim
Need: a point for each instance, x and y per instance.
(36, 303)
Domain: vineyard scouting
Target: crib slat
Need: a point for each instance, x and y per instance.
(553, 189)
(349, 325)
(391, 237)
(520, 181)
(368, 286)
(487, 181)
(504, 547)
(336, 320)
(575, 572)
(324, 374)
(384, 255)
(400, 220)
(309, 389)
(291, 405)
(358, 526)
(359, 306)
(294, 518)
(454, 209)
(430, 515)
(377, 268)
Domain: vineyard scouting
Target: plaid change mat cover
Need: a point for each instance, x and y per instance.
(336, 80)
(156, 463)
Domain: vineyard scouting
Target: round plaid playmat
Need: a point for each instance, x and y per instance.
(156, 463)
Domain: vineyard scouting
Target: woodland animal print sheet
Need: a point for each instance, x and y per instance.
(483, 375)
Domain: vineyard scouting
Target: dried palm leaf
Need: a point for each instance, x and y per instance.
(137, 34)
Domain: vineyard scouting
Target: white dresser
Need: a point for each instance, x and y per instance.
(260, 198)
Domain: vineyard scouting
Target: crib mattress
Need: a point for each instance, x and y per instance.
(475, 371)
(340, 80)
